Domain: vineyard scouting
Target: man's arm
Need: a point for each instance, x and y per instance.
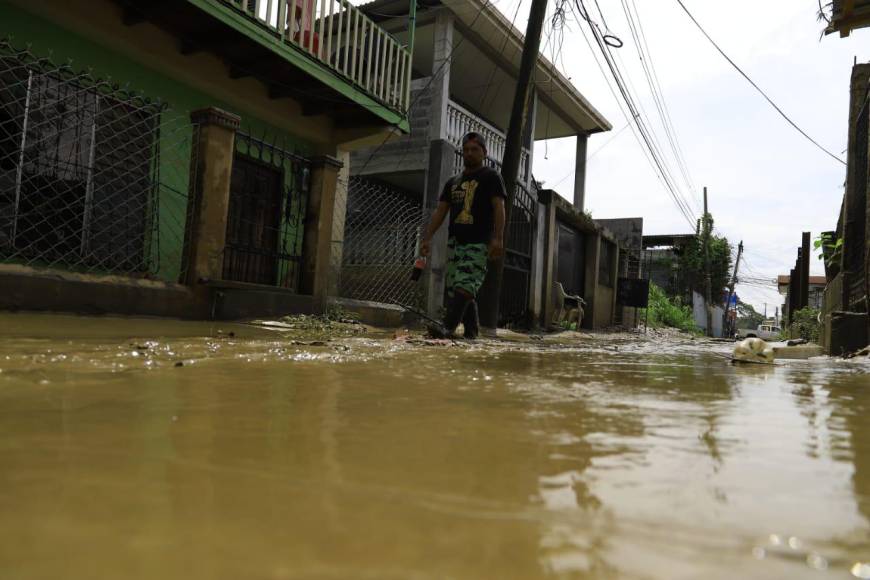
(496, 244)
(437, 219)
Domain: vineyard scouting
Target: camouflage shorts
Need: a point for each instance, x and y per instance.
(466, 266)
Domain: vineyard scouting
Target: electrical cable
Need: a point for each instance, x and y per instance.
(757, 88)
(628, 119)
(640, 122)
(648, 64)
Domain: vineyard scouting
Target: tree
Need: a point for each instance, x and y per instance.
(691, 264)
(747, 316)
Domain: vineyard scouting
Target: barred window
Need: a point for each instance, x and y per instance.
(77, 169)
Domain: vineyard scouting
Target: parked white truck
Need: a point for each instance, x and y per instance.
(765, 331)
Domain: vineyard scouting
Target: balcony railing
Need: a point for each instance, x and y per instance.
(461, 121)
(338, 35)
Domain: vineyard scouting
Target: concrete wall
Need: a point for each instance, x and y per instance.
(407, 153)
(91, 34)
(699, 311)
(603, 312)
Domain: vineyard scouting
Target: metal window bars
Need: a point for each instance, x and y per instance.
(266, 218)
(93, 178)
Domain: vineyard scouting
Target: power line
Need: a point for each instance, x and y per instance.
(757, 88)
(639, 120)
(648, 64)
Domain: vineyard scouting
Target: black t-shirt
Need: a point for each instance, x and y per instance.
(470, 197)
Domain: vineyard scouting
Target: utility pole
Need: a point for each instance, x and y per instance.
(490, 293)
(731, 288)
(708, 291)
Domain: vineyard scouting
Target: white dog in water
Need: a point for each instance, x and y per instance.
(753, 350)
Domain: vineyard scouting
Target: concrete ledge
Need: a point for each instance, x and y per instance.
(844, 332)
(798, 352)
(26, 288)
(238, 300)
(376, 313)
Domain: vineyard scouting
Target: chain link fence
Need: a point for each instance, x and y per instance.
(93, 178)
(382, 231)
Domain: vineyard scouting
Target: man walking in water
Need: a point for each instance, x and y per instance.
(475, 200)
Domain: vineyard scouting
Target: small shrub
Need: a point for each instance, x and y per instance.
(663, 311)
(805, 324)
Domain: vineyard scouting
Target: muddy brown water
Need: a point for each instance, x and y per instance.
(365, 457)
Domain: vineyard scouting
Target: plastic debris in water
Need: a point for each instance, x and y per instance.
(860, 570)
(753, 350)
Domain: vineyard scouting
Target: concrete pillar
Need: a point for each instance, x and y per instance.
(614, 277)
(317, 241)
(590, 293)
(580, 172)
(212, 162)
(441, 61)
(536, 275)
(441, 156)
(805, 271)
(547, 237)
(338, 219)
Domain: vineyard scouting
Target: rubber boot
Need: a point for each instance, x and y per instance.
(455, 313)
(471, 322)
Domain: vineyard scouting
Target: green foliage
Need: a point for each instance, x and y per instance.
(806, 324)
(747, 316)
(691, 261)
(829, 247)
(663, 311)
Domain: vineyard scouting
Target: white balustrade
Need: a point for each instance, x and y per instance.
(339, 35)
(461, 121)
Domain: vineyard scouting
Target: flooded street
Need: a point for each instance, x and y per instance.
(364, 457)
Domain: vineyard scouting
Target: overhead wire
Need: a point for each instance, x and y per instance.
(757, 88)
(648, 66)
(630, 118)
(636, 115)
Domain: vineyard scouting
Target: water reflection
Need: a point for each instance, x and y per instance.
(613, 457)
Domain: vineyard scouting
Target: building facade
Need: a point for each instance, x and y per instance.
(183, 159)
(466, 58)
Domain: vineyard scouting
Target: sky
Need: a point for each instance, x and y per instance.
(766, 183)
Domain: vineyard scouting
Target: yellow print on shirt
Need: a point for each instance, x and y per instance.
(465, 193)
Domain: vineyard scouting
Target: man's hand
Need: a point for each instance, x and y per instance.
(496, 248)
(424, 248)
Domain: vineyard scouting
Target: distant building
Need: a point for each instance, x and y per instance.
(816, 291)
(660, 259)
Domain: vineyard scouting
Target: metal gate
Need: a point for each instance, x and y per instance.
(265, 221)
(381, 238)
(519, 246)
(519, 243)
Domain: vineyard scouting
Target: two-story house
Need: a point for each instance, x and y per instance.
(182, 158)
(466, 60)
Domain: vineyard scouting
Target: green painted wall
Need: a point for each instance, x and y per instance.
(48, 40)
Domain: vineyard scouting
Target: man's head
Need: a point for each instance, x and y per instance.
(473, 150)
